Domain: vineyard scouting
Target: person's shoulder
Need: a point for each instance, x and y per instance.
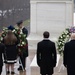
(24, 28)
(40, 42)
(67, 43)
(52, 42)
(1, 44)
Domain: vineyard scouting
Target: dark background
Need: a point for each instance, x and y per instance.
(11, 11)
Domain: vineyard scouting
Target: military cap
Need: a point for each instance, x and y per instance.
(19, 22)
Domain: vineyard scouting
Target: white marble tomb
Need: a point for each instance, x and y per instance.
(49, 15)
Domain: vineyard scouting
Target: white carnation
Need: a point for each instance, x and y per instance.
(23, 43)
(21, 32)
(19, 35)
(13, 30)
(24, 35)
(1, 38)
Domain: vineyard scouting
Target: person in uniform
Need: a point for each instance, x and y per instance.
(23, 55)
(22, 28)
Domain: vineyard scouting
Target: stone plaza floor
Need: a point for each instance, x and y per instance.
(33, 69)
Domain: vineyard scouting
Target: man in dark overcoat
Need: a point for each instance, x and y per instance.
(69, 55)
(46, 55)
(2, 47)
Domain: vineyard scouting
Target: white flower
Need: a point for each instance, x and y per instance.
(60, 42)
(19, 35)
(61, 36)
(67, 36)
(1, 38)
(5, 29)
(13, 30)
(21, 32)
(23, 43)
(24, 35)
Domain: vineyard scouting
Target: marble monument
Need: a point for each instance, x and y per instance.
(49, 15)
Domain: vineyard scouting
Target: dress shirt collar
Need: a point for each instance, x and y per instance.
(46, 38)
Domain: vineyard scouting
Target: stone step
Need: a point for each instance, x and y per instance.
(33, 39)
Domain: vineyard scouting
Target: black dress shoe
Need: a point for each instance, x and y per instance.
(20, 68)
(8, 72)
(12, 72)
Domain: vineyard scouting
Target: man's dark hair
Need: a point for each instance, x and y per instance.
(46, 34)
(19, 22)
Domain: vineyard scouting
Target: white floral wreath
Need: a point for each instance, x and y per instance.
(63, 38)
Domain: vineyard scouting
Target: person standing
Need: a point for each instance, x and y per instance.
(22, 28)
(69, 55)
(2, 47)
(23, 55)
(11, 51)
(46, 55)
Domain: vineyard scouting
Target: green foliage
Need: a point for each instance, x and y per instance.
(3, 33)
(63, 38)
(22, 37)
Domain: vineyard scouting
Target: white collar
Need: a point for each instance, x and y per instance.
(46, 39)
(22, 28)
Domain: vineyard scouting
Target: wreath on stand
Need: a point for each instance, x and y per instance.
(63, 38)
(22, 44)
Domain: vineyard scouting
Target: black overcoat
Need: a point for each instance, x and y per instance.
(69, 57)
(2, 47)
(46, 56)
(25, 31)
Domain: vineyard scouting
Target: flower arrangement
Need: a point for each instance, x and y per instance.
(3, 33)
(22, 40)
(1, 39)
(63, 38)
(72, 29)
(21, 37)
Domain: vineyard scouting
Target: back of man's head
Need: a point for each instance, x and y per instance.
(46, 34)
(19, 22)
(73, 36)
